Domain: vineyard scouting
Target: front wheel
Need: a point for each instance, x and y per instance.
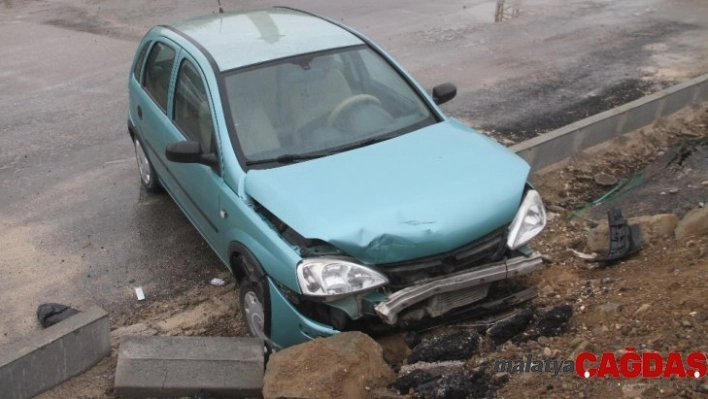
(148, 176)
(255, 308)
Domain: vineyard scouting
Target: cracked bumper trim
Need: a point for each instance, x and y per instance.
(397, 302)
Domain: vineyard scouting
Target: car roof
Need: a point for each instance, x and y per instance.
(240, 39)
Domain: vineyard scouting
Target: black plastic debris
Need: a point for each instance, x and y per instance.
(625, 240)
(548, 323)
(413, 380)
(459, 345)
(504, 329)
(50, 314)
(479, 383)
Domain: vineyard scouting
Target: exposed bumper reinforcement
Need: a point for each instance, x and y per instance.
(389, 310)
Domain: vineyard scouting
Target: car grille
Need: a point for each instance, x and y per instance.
(489, 248)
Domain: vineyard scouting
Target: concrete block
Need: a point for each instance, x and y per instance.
(676, 99)
(642, 112)
(184, 366)
(51, 356)
(562, 143)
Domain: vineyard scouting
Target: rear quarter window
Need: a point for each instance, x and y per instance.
(138, 68)
(158, 70)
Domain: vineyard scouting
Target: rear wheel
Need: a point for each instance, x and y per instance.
(148, 176)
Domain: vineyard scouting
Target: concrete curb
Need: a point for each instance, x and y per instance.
(563, 143)
(185, 366)
(43, 360)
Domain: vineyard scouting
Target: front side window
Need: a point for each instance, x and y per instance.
(158, 70)
(317, 104)
(192, 114)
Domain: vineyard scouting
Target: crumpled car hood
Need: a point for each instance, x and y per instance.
(420, 194)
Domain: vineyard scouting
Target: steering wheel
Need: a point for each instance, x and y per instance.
(347, 104)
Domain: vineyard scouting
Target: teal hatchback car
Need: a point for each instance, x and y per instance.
(324, 177)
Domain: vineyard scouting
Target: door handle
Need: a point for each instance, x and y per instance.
(140, 112)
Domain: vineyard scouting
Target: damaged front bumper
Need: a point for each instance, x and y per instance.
(430, 302)
(453, 291)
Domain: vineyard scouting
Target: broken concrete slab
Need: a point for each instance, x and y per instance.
(185, 366)
(49, 357)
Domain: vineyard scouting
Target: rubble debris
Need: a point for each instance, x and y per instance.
(604, 179)
(506, 328)
(139, 293)
(217, 282)
(342, 365)
(625, 240)
(583, 256)
(50, 314)
(548, 323)
(395, 349)
(555, 321)
(413, 380)
(694, 224)
(458, 345)
(434, 369)
(478, 383)
(412, 338)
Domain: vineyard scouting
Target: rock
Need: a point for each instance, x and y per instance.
(604, 179)
(606, 313)
(341, 365)
(395, 349)
(653, 228)
(673, 191)
(641, 310)
(506, 328)
(459, 345)
(694, 224)
(704, 183)
(555, 208)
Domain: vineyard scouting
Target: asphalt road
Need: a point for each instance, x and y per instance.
(75, 226)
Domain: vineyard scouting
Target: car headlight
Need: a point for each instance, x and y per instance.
(330, 278)
(528, 222)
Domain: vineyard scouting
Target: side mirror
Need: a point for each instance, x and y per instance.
(444, 92)
(189, 152)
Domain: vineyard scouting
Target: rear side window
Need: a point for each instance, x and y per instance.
(158, 70)
(192, 114)
(139, 63)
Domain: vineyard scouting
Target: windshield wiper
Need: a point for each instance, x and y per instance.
(292, 158)
(287, 158)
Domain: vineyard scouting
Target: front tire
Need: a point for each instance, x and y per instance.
(255, 308)
(148, 176)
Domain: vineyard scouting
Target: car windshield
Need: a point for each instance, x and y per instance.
(318, 104)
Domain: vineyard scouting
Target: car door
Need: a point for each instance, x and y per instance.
(150, 102)
(192, 119)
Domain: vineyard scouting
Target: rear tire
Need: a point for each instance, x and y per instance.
(148, 176)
